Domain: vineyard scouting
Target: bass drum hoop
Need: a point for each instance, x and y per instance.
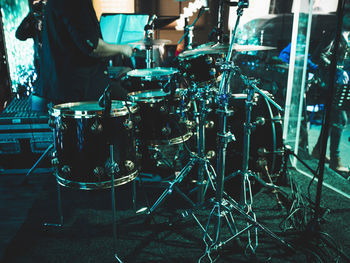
(95, 185)
(274, 136)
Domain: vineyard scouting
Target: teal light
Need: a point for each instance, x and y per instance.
(19, 53)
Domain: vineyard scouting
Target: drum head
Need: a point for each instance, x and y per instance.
(149, 96)
(90, 109)
(149, 74)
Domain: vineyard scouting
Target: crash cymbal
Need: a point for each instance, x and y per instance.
(246, 48)
(237, 47)
(215, 48)
(151, 42)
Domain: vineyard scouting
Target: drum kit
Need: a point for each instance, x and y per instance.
(187, 109)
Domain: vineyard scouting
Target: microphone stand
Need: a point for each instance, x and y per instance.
(149, 30)
(189, 30)
(112, 167)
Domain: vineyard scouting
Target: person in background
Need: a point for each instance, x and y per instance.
(31, 28)
(322, 58)
(338, 116)
(74, 57)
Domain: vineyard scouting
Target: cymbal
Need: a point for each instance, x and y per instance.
(215, 48)
(246, 48)
(237, 47)
(151, 42)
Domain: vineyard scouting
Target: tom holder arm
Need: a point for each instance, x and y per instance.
(229, 66)
(105, 101)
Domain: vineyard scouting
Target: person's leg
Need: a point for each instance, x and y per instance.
(338, 122)
(316, 151)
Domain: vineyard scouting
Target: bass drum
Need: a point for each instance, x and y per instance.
(83, 135)
(266, 141)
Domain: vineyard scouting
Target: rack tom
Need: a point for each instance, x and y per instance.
(83, 135)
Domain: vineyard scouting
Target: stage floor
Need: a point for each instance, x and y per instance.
(167, 236)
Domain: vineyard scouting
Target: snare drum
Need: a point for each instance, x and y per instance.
(149, 79)
(163, 117)
(83, 135)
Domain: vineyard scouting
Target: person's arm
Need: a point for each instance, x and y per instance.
(104, 49)
(27, 28)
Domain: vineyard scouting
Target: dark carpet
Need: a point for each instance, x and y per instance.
(171, 234)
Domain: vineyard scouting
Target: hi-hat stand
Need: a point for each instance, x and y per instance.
(200, 96)
(224, 204)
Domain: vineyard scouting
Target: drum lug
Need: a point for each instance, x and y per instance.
(190, 124)
(62, 126)
(209, 124)
(209, 60)
(99, 171)
(66, 170)
(128, 124)
(96, 127)
(210, 155)
(55, 162)
(162, 109)
(129, 165)
(212, 72)
(166, 131)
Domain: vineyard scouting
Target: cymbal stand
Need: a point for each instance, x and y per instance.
(200, 158)
(188, 35)
(224, 204)
(149, 34)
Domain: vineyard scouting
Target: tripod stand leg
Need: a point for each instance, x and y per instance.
(114, 169)
(169, 190)
(38, 162)
(59, 209)
(255, 223)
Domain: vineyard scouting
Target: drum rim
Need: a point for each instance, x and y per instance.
(64, 109)
(172, 141)
(96, 185)
(170, 71)
(148, 99)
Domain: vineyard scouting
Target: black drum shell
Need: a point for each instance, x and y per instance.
(201, 69)
(163, 118)
(266, 143)
(82, 145)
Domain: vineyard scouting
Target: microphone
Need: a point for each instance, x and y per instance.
(150, 22)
